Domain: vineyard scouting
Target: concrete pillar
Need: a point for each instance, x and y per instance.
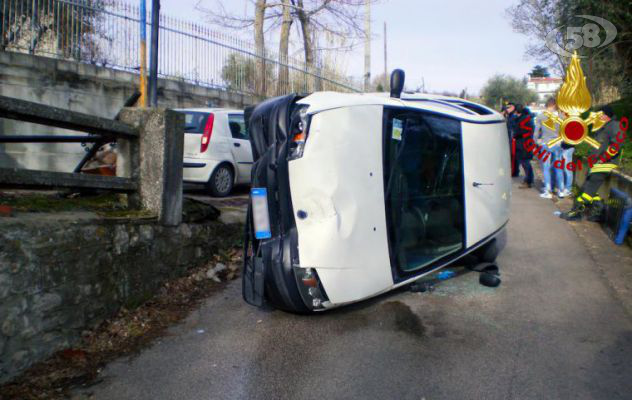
(156, 161)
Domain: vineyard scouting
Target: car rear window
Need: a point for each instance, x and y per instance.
(194, 122)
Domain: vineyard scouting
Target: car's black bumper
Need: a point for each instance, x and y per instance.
(269, 263)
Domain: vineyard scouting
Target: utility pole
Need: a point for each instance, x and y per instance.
(385, 60)
(367, 45)
(153, 63)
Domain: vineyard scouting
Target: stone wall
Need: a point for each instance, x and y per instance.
(84, 88)
(62, 273)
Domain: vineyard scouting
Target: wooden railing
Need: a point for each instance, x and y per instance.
(155, 180)
(102, 130)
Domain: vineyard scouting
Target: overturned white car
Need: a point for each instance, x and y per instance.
(357, 194)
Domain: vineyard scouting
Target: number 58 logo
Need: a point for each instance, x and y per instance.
(581, 36)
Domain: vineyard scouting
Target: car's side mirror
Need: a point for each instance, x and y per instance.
(397, 83)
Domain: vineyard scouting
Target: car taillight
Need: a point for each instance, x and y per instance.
(208, 131)
(299, 136)
(310, 288)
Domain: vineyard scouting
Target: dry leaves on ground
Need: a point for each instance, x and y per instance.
(126, 333)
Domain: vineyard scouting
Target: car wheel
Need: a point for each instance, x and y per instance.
(221, 182)
(488, 253)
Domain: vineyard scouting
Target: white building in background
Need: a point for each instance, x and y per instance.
(544, 87)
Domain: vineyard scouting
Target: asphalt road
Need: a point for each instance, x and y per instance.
(554, 329)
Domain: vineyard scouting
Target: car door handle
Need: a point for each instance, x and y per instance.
(477, 184)
(237, 144)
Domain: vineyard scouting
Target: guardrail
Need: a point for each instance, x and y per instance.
(149, 162)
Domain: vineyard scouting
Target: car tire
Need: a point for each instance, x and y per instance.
(488, 253)
(221, 182)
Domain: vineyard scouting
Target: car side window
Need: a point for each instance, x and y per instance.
(237, 126)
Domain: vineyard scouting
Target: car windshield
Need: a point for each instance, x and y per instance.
(423, 188)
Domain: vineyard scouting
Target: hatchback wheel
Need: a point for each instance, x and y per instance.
(221, 182)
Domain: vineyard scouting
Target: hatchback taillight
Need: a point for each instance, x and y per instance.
(299, 135)
(208, 131)
(310, 288)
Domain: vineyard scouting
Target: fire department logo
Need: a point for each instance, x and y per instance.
(574, 99)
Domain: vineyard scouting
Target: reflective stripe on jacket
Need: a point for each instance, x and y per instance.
(607, 136)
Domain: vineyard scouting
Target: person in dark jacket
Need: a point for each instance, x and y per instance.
(601, 162)
(509, 112)
(523, 127)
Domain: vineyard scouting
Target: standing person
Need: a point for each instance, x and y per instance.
(564, 176)
(603, 161)
(509, 112)
(542, 136)
(523, 130)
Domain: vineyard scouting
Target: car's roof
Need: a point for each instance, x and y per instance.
(209, 109)
(450, 106)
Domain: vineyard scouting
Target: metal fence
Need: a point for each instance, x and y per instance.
(107, 33)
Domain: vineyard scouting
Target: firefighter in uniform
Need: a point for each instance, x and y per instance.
(601, 162)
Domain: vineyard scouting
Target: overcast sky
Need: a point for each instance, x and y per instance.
(452, 44)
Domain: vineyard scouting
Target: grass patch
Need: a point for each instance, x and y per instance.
(39, 202)
(126, 213)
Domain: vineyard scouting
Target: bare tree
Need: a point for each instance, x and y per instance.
(284, 46)
(261, 21)
(305, 18)
(536, 19)
(217, 14)
(260, 46)
(340, 18)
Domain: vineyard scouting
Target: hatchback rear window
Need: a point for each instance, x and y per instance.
(194, 122)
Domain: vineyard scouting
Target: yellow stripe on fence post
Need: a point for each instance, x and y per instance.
(143, 54)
